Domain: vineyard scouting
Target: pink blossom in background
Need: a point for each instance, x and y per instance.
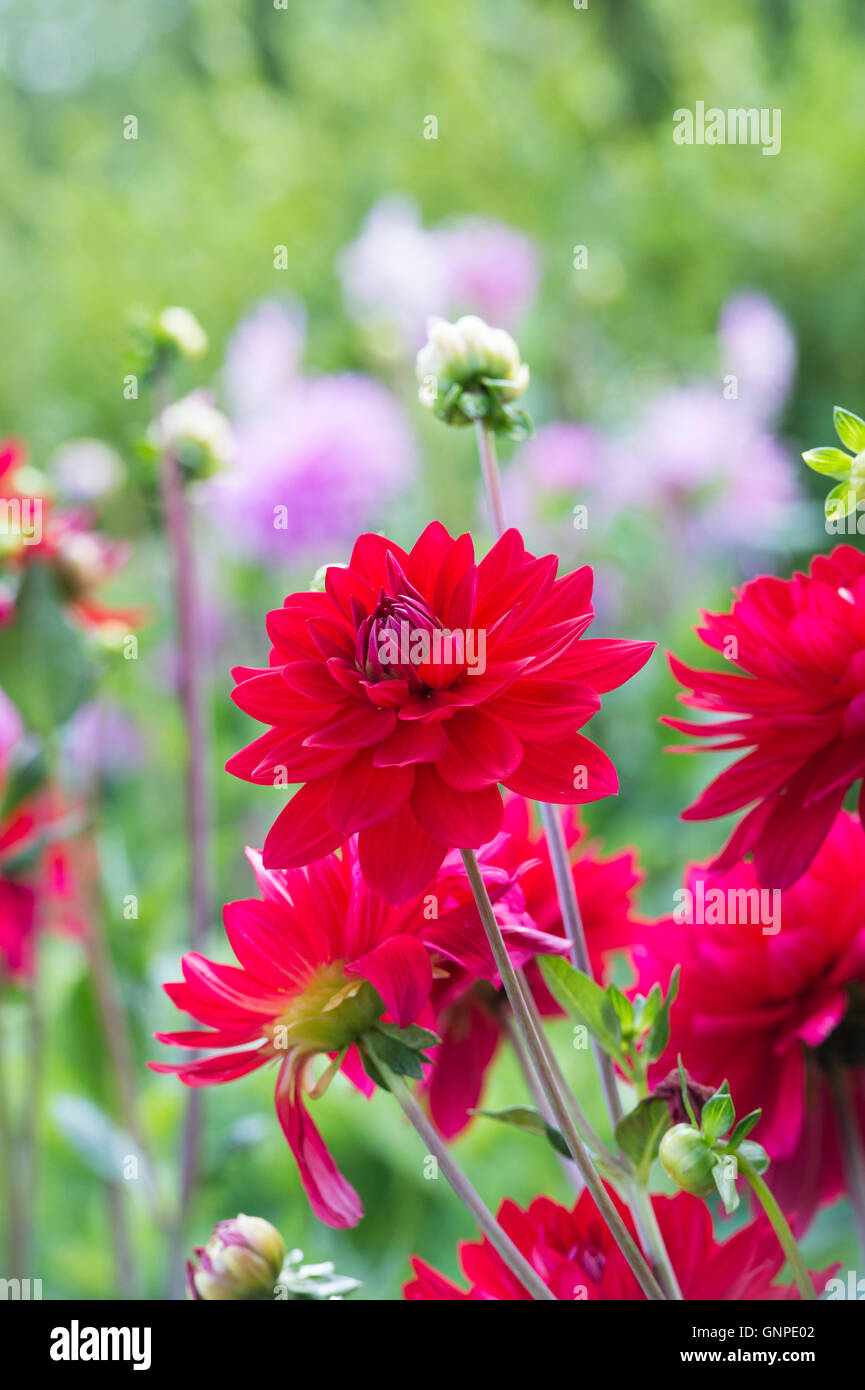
(318, 466)
(489, 269)
(759, 349)
(396, 273)
(695, 456)
(263, 356)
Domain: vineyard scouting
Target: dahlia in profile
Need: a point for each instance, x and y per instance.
(469, 1018)
(797, 702)
(321, 961)
(577, 1257)
(771, 998)
(403, 694)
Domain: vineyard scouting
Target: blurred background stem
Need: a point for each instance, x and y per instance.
(188, 650)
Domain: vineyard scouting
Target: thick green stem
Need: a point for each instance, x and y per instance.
(779, 1226)
(548, 1080)
(487, 1224)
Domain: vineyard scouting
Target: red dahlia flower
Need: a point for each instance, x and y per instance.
(771, 993)
(411, 687)
(799, 707)
(468, 1013)
(321, 961)
(576, 1256)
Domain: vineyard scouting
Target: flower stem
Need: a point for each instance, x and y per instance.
(547, 1077)
(487, 1224)
(640, 1201)
(850, 1135)
(572, 918)
(573, 923)
(779, 1226)
(189, 684)
(490, 470)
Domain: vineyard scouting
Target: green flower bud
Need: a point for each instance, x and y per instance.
(469, 371)
(241, 1261)
(688, 1160)
(176, 327)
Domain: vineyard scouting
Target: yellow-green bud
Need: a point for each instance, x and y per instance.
(688, 1160)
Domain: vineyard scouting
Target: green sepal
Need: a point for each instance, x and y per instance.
(833, 462)
(718, 1115)
(744, 1127)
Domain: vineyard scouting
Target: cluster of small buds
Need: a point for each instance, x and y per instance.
(469, 371)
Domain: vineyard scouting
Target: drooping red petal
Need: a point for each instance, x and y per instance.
(399, 968)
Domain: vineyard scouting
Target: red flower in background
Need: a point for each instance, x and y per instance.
(468, 1014)
(768, 993)
(400, 734)
(321, 960)
(38, 887)
(576, 1256)
(39, 531)
(798, 706)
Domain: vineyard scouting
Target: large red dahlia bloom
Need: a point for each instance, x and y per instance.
(321, 961)
(469, 1017)
(798, 706)
(411, 687)
(576, 1256)
(772, 992)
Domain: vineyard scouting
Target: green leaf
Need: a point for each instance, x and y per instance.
(744, 1127)
(400, 1058)
(531, 1121)
(718, 1114)
(26, 774)
(641, 1131)
(623, 1007)
(841, 501)
(726, 1184)
(659, 1033)
(833, 462)
(100, 1143)
(755, 1154)
(850, 429)
(415, 1037)
(44, 667)
(583, 1000)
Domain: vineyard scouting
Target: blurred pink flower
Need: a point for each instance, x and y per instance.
(263, 356)
(759, 349)
(315, 469)
(396, 273)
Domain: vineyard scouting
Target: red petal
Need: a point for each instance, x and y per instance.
(302, 831)
(331, 1196)
(457, 820)
(548, 773)
(364, 795)
(482, 751)
(400, 970)
(397, 859)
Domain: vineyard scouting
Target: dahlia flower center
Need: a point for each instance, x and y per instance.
(402, 639)
(330, 1013)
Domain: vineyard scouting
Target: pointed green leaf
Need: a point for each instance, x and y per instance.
(583, 1000)
(744, 1127)
(659, 1033)
(623, 1007)
(718, 1114)
(833, 462)
(841, 501)
(527, 1118)
(415, 1037)
(686, 1099)
(850, 429)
